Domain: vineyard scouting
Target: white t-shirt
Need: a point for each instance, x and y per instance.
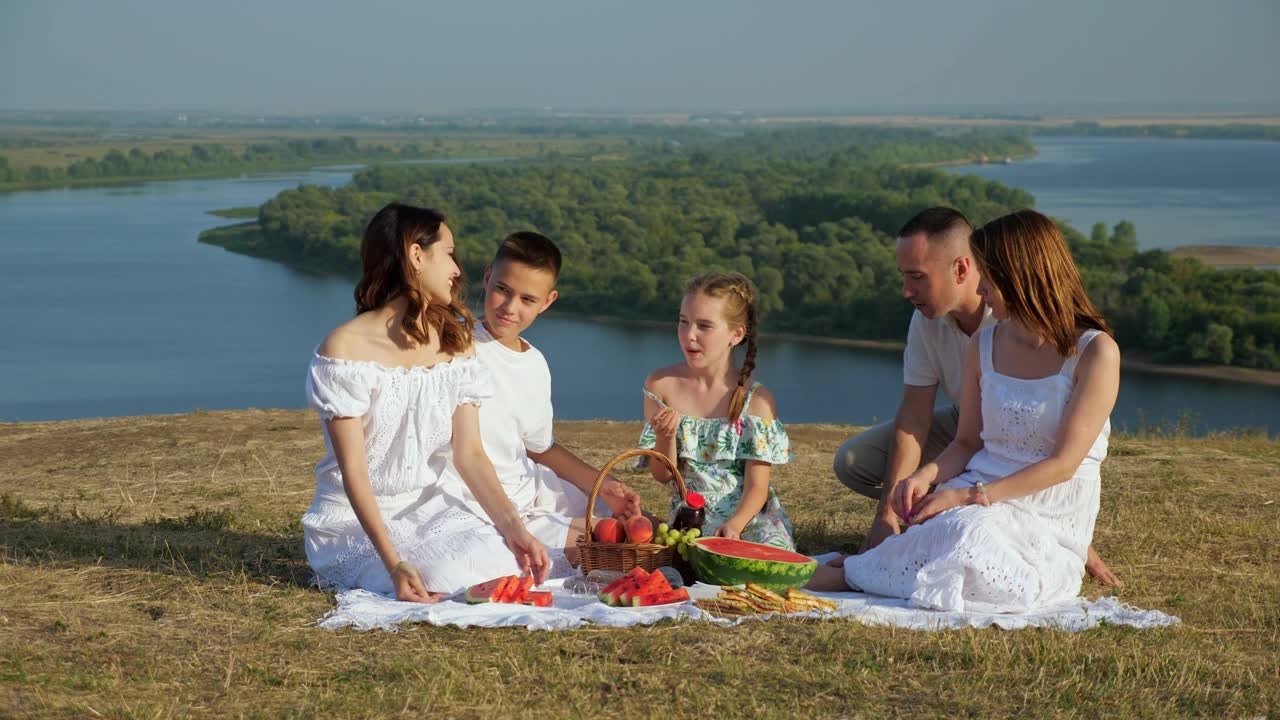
(935, 352)
(516, 420)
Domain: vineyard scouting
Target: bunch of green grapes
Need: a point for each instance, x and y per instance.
(674, 538)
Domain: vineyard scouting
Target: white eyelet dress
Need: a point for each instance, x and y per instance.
(407, 415)
(1014, 556)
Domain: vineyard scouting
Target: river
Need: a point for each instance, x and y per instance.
(112, 308)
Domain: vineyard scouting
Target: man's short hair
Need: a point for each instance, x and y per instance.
(532, 249)
(936, 222)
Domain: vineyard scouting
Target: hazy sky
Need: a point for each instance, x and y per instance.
(327, 55)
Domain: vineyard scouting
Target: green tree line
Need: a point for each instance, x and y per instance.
(816, 235)
(199, 159)
(1231, 131)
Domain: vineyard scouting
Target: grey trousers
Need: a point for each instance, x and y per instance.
(861, 461)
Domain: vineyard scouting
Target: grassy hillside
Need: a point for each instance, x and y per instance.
(153, 567)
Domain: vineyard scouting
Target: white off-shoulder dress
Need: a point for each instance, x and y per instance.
(1013, 556)
(407, 415)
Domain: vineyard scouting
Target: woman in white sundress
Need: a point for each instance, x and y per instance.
(394, 386)
(1009, 522)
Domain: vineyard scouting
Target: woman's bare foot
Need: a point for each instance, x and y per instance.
(828, 579)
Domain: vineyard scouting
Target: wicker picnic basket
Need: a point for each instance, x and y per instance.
(623, 557)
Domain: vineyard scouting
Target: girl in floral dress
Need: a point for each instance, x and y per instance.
(721, 426)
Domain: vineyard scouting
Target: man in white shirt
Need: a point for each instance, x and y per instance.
(544, 480)
(940, 278)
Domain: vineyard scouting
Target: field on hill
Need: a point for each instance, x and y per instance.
(153, 567)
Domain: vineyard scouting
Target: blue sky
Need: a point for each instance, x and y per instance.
(324, 55)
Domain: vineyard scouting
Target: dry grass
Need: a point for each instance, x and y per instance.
(152, 567)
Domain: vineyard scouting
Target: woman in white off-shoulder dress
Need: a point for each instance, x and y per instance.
(1009, 525)
(394, 386)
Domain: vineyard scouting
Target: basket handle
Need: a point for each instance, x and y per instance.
(604, 473)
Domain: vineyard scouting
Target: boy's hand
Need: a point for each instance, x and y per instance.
(665, 423)
(623, 502)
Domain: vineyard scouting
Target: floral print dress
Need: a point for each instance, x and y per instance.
(713, 455)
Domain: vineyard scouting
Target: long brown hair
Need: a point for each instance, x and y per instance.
(385, 274)
(739, 297)
(1025, 258)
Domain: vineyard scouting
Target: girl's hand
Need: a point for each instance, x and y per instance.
(623, 502)
(729, 530)
(409, 585)
(907, 493)
(531, 556)
(937, 502)
(665, 423)
(838, 561)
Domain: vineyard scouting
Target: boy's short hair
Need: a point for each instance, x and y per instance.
(532, 249)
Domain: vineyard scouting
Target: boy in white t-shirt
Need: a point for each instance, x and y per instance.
(544, 480)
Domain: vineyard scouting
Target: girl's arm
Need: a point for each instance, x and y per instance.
(477, 472)
(664, 422)
(956, 456)
(755, 483)
(1097, 384)
(347, 436)
(755, 493)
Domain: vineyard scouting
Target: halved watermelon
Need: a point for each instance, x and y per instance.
(484, 592)
(660, 598)
(538, 599)
(724, 561)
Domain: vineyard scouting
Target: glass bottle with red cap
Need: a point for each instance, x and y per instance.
(691, 513)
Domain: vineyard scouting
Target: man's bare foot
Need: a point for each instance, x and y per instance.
(1099, 571)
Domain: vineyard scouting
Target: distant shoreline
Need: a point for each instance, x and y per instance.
(1133, 360)
(1230, 256)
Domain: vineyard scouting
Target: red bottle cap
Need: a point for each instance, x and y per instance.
(695, 501)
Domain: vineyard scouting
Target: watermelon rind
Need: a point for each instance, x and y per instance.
(720, 568)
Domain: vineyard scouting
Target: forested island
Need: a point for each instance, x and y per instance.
(809, 214)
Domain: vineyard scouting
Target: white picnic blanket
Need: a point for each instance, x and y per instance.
(364, 610)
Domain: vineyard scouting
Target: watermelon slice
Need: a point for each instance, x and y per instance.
(724, 561)
(612, 595)
(656, 582)
(508, 588)
(522, 589)
(484, 592)
(660, 598)
(538, 599)
(636, 571)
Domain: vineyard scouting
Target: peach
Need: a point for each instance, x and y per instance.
(607, 530)
(639, 529)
